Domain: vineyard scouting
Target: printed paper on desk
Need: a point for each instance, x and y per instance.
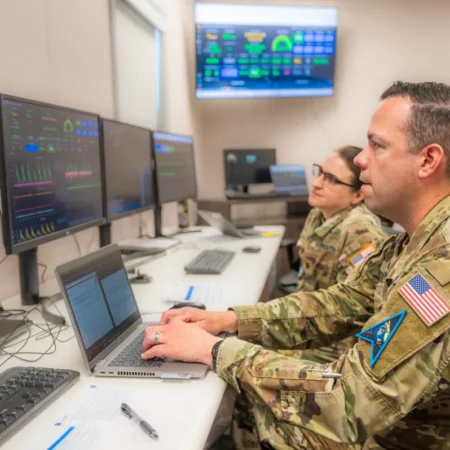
(203, 293)
(89, 417)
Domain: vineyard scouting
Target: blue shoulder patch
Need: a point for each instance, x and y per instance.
(380, 334)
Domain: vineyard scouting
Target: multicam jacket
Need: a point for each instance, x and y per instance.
(395, 386)
(329, 250)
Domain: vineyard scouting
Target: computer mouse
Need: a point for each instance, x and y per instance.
(252, 249)
(188, 304)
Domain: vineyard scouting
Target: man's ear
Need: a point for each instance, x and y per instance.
(433, 158)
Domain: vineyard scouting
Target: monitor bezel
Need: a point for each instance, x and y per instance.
(115, 216)
(264, 97)
(14, 249)
(159, 201)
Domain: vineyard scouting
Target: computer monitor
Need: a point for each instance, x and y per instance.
(289, 179)
(127, 163)
(175, 167)
(51, 179)
(51, 172)
(244, 167)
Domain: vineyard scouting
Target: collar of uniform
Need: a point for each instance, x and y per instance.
(428, 226)
(332, 222)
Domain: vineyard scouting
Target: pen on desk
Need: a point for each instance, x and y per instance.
(145, 426)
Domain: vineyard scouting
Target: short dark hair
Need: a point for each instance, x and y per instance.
(348, 153)
(430, 114)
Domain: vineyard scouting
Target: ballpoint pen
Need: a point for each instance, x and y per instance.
(324, 373)
(145, 426)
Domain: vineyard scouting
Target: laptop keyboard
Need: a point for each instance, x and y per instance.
(130, 356)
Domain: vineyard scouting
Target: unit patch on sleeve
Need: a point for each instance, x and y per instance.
(380, 334)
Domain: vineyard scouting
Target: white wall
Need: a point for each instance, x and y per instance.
(378, 42)
(59, 51)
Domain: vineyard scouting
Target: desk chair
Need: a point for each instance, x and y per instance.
(288, 282)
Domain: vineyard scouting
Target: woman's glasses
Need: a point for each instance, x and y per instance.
(330, 179)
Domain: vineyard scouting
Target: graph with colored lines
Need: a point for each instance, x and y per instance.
(78, 171)
(53, 169)
(33, 233)
(35, 210)
(26, 176)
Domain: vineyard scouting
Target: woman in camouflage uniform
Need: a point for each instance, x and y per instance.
(338, 234)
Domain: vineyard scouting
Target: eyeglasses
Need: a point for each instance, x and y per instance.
(331, 179)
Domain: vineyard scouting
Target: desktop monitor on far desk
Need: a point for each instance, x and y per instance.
(245, 167)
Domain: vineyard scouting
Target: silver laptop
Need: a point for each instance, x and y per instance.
(289, 180)
(217, 221)
(107, 322)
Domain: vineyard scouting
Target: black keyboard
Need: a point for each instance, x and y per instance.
(210, 262)
(25, 391)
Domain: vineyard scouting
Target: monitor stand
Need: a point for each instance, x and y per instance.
(105, 234)
(29, 277)
(29, 287)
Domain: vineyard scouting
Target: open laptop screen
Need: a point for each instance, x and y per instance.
(100, 297)
(289, 178)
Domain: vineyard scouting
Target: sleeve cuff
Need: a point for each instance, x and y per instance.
(249, 322)
(232, 353)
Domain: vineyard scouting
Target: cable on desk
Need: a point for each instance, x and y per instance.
(91, 241)
(43, 272)
(45, 303)
(77, 243)
(49, 332)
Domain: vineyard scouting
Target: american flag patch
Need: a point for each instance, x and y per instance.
(424, 300)
(357, 258)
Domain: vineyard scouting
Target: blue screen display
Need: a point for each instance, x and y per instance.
(264, 51)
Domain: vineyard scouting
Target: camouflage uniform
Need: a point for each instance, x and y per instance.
(327, 250)
(395, 387)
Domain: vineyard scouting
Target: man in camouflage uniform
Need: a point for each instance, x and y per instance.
(330, 249)
(392, 389)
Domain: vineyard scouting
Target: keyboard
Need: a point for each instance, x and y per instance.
(210, 262)
(26, 391)
(130, 356)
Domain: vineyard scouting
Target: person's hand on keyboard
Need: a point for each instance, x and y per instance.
(180, 341)
(212, 322)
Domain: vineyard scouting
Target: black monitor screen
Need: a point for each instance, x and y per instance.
(248, 166)
(51, 172)
(175, 168)
(127, 152)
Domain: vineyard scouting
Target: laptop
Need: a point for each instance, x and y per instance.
(217, 221)
(289, 180)
(107, 322)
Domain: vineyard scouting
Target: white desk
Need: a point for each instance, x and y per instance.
(181, 411)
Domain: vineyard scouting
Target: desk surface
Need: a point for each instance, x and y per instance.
(181, 411)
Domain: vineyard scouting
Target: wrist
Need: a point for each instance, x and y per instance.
(207, 357)
(230, 321)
